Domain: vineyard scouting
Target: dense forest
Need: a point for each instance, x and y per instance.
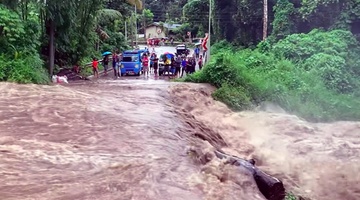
(305, 56)
(40, 37)
(241, 21)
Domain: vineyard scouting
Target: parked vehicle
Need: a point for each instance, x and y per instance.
(156, 41)
(131, 62)
(161, 62)
(182, 50)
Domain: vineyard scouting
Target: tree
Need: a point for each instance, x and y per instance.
(196, 12)
(283, 23)
(146, 17)
(58, 16)
(137, 3)
(265, 26)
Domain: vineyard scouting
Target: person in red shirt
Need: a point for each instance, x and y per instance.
(145, 63)
(95, 67)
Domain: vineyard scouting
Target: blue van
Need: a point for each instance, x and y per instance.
(131, 62)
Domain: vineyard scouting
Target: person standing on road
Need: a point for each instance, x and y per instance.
(200, 62)
(189, 66)
(167, 64)
(119, 59)
(114, 63)
(178, 66)
(173, 67)
(197, 52)
(152, 57)
(153, 45)
(145, 63)
(193, 65)
(106, 63)
(183, 65)
(95, 67)
(156, 65)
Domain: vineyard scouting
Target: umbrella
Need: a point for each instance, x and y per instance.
(167, 53)
(197, 44)
(106, 53)
(169, 56)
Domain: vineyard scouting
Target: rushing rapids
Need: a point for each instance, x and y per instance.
(130, 139)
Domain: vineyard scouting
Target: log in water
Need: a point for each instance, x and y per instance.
(271, 187)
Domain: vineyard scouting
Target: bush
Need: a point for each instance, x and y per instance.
(332, 70)
(196, 77)
(235, 97)
(25, 69)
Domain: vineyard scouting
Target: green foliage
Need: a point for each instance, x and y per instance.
(191, 12)
(222, 45)
(16, 34)
(147, 15)
(318, 84)
(332, 55)
(239, 22)
(180, 32)
(106, 16)
(27, 69)
(197, 77)
(290, 196)
(265, 46)
(234, 97)
(11, 30)
(332, 69)
(19, 41)
(116, 41)
(166, 10)
(301, 46)
(283, 24)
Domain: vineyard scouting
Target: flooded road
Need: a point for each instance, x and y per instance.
(107, 140)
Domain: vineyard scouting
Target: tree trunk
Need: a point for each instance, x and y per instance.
(52, 47)
(265, 25)
(271, 187)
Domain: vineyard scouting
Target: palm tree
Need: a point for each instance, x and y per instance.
(104, 15)
(137, 3)
(111, 14)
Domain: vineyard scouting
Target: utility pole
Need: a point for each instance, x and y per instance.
(126, 31)
(208, 51)
(135, 27)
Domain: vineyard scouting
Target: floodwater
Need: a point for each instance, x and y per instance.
(129, 140)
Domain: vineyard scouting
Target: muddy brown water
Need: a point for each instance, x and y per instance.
(128, 139)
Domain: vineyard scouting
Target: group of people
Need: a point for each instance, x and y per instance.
(154, 64)
(116, 62)
(175, 67)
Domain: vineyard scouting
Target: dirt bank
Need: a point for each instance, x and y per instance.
(318, 161)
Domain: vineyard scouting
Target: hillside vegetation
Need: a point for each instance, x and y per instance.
(312, 75)
(80, 31)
